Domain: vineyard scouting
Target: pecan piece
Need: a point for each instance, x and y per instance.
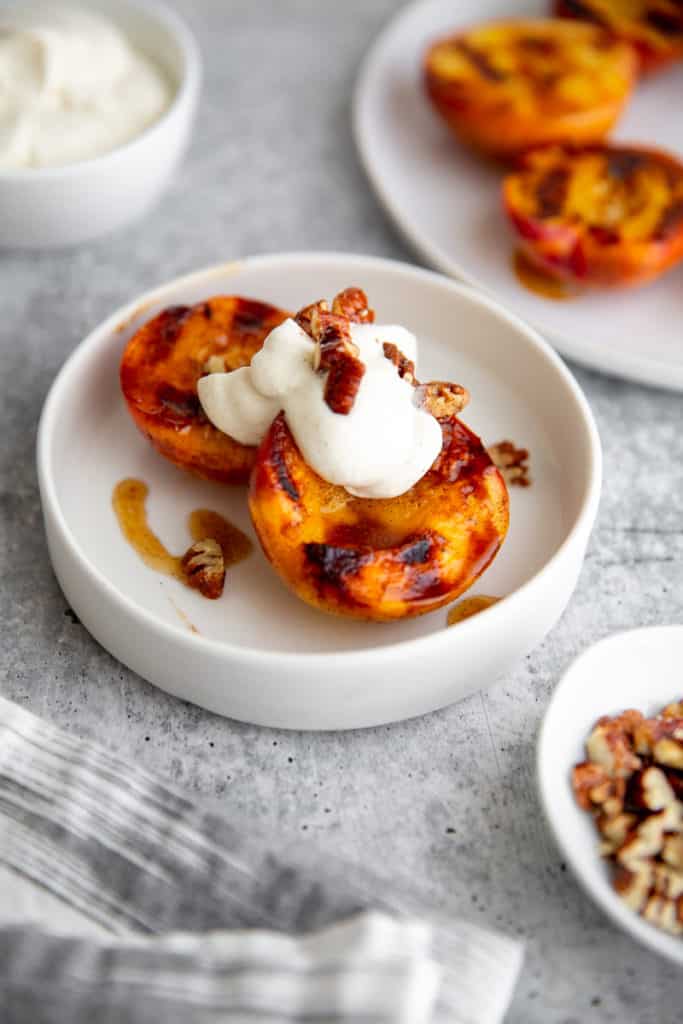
(649, 790)
(611, 745)
(634, 884)
(511, 462)
(669, 752)
(650, 731)
(674, 710)
(404, 366)
(664, 914)
(214, 364)
(441, 398)
(588, 779)
(353, 304)
(647, 840)
(303, 317)
(672, 851)
(203, 566)
(336, 353)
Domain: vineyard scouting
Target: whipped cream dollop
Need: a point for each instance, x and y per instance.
(378, 450)
(72, 86)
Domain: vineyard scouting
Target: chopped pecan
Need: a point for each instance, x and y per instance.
(587, 779)
(610, 744)
(203, 566)
(214, 364)
(668, 881)
(647, 840)
(303, 317)
(634, 884)
(665, 914)
(615, 830)
(442, 399)
(512, 463)
(672, 851)
(674, 710)
(650, 790)
(336, 354)
(404, 366)
(669, 752)
(650, 731)
(353, 304)
(634, 787)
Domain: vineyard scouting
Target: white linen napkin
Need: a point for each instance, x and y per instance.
(122, 900)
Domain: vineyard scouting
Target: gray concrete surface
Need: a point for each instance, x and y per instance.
(448, 800)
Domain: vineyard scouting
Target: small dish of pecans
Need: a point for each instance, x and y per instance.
(610, 775)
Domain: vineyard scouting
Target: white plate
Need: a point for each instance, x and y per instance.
(261, 654)
(447, 201)
(640, 669)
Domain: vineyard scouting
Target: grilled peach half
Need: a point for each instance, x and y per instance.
(600, 215)
(160, 368)
(507, 86)
(653, 27)
(379, 559)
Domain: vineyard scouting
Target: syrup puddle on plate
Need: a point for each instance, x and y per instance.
(469, 607)
(534, 280)
(130, 505)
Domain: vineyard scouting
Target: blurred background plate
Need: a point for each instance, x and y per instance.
(446, 200)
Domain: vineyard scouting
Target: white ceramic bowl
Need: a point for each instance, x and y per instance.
(58, 206)
(261, 654)
(640, 669)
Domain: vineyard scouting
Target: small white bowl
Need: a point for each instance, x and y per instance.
(261, 654)
(59, 206)
(639, 669)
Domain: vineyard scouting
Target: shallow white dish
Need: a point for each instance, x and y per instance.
(640, 669)
(58, 206)
(261, 655)
(447, 201)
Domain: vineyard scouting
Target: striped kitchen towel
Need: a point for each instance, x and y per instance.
(124, 901)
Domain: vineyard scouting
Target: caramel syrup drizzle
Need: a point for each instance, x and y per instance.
(130, 505)
(534, 280)
(469, 607)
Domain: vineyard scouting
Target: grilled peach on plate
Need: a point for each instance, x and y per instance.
(379, 559)
(505, 86)
(598, 215)
(160, 368)
(654, 27)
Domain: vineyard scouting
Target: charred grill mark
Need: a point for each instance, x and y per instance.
(551, 192)
(537, 44)
(480, 61)
(603, 235)
(669, 23)
(177, 406)
(331, 565)
(252, 316)
(168, 325)
(623, 163)
(416, 553)
(670, 221)
(584, 11)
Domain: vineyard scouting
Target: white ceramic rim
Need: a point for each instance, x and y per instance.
(630, 367)
(376, 655)
(628, 920)
(186, 90)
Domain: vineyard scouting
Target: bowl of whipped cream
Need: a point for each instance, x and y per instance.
(96, 107)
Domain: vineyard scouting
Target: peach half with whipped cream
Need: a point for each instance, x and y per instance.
(369, 496)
